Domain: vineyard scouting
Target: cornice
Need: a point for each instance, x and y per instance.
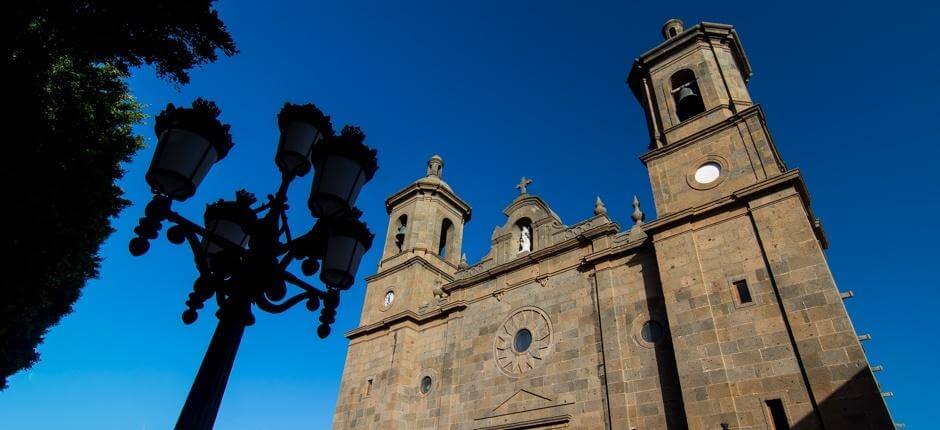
(407, 263)
(565, 245)
(533, 423)
(731, 121)
(435, 187)
(699, 32)
(614, 251)
(789, 178)
(406, 316)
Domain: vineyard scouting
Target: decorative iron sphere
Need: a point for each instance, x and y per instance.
(323, 331)
(176, 234)
(139, 246)
(309, 266)
(313, 303)
(189, 316)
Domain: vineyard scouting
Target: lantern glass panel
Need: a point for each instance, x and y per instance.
(226, 229)
(180, 163)
(336, 186)
(343, 254)
(297, 140)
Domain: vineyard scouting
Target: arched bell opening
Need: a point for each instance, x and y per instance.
(446, 239)
(401, 232)
(686, 95)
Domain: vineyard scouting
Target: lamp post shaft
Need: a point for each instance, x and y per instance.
(205, 396)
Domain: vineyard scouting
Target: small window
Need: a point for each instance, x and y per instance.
(672, 32)
(743, 292)
(652, 331)
(426, 384)
(523, 340)
(369, 386)
(778, 416)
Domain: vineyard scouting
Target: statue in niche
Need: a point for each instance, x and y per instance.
(525, 240)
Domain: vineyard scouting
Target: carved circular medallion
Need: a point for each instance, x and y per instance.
(523, 341)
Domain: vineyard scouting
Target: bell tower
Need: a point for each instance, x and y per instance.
(422, 245)
(757, 324)
(706, 135)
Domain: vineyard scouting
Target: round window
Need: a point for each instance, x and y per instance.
(708, 172)
(426, 384)
(523, 340)
(389, 298)
(652, 331)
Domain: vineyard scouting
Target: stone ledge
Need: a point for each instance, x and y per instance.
(409, 262)
(406, 316)
(739, 117)
(538, 422)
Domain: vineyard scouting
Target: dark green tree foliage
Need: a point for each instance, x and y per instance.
(68, 128)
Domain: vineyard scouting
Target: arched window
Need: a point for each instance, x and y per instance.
(447, 235)
(523, 235)
(401, 230)
(686, 94)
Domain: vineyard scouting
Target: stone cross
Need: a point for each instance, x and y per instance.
(522, 184)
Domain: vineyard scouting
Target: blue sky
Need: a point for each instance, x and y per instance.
(501, 90)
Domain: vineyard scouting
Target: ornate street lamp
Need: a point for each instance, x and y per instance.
(244, 250)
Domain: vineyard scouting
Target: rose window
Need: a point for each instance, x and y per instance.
(523, 341)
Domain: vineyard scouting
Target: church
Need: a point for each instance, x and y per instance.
(721, 313)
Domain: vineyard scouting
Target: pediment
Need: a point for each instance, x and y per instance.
(520, 401)
(532, 207)
(526, 408)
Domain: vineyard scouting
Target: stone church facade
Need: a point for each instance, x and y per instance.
(722, 313)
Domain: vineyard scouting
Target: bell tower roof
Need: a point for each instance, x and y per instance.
(678, 38)
(431, 183)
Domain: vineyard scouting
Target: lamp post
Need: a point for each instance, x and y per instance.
(243, 250)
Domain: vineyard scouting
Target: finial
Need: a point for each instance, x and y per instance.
(638, 215)
(599, 208)
(436, 166)
(672, 28)
(463, 262)
(522, 185)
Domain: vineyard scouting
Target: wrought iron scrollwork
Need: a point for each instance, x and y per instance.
(241, 276)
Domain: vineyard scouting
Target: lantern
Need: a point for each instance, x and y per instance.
(294, 148)
(228, 221)
(342, 166)
(190, 141)
(347, 239)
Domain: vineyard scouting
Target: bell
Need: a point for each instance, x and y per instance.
(688, 103)
(687, 95)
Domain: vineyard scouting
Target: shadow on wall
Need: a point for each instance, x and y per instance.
(673, 406)
(852, 406)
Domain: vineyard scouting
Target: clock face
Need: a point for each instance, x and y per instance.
(389, 298)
